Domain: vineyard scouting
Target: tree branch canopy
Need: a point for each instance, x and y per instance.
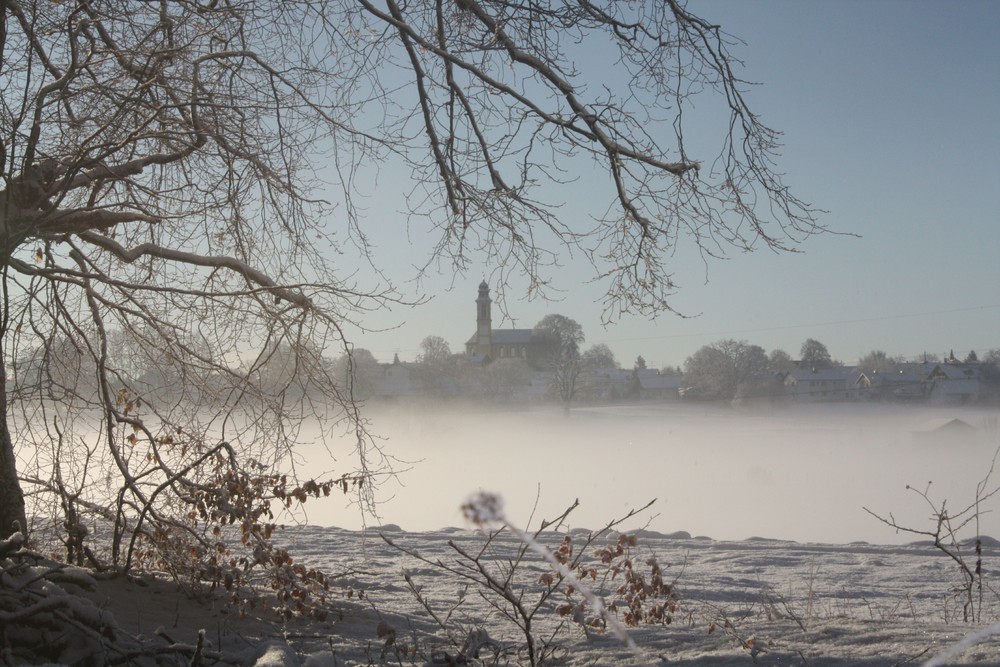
(180, 180)
(213, 115)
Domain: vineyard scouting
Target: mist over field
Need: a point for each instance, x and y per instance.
(800, 473)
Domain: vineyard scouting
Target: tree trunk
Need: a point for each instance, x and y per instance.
(11, 496)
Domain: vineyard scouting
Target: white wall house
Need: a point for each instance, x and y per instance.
(818, 384)
(955, 384)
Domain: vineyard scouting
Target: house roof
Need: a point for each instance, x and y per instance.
(963, 387)
(945, 424)
(892, 378)
(954, 372)
(507, 337)
(828, 374)
(512, 336)
(660, 381)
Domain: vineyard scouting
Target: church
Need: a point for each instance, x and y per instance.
(489, 344)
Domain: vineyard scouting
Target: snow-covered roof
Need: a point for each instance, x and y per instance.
(828, 374)
(512, 336)
(894, 378)
(660, 381)
(955, 372)
(612, 374)
(506, 337)
(964, 387)
(945, 424)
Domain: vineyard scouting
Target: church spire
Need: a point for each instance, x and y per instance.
(484, 321)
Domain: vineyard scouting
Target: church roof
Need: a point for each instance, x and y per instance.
(507, 336)
(512, 336)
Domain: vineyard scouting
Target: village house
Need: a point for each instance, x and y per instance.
(905, 383)
(947, 383)
(955, 383)
(653, 385)
(395, 380)
(819, 384)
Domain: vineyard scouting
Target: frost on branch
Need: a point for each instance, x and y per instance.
(484, 509)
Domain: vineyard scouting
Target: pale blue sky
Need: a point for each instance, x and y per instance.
(889, 112)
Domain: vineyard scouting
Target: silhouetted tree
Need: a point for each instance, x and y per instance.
(814, 355)
(598, 357)
(780, 361)
(358, 370)
(726, 370)
(503, 379)
(559, 338)
(436, 367)
(434, 350)
(879, 362)
(594, 363)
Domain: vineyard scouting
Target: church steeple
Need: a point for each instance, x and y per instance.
(484, 320)
(484, 305)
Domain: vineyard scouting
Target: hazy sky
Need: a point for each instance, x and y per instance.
(890, 116)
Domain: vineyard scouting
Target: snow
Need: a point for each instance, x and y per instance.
(754, 601)
(759, 601)
(823, 603)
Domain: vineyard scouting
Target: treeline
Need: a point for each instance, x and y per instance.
(738, 370)
(560, 370)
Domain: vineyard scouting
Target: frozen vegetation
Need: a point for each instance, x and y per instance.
(421, 598)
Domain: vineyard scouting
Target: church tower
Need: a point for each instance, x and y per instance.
(484, 321)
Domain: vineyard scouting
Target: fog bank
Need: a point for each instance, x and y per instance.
(800, 473)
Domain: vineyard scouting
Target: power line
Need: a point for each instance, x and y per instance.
(881, 318)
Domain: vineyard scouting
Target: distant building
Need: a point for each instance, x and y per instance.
(908, 382)
(488, 344)
(651, 384)
(947, 383)
(955, 383)
(946, 431)
(817, 384)
(396, 380)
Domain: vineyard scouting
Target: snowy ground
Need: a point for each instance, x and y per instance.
(738, 603)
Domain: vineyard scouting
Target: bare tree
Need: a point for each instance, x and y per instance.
(598, 357)
(558, 338)
(879, 362)
(780, 361)
(164, 167)
(814, 354)
(499, 380)
(725, 370)
(358, 369)
(595, 364)
(437, 368)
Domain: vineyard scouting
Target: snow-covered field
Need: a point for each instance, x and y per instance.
(737, 603)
